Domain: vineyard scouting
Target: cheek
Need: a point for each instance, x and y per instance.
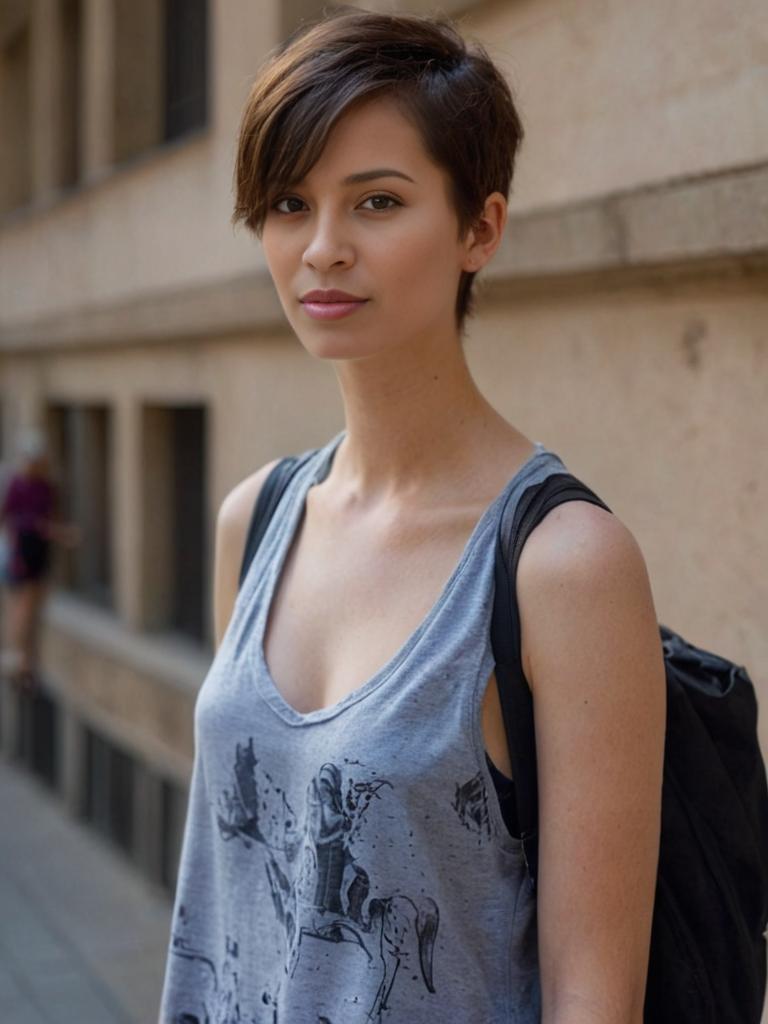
(423, 267)
(278, 246)
(276, 260)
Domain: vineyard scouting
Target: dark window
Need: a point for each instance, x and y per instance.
(70, 94)
(15, 115)
(81, 441)
(187, 613)
(109, 790)
(175, 522)
(173, 809)
(186, 65)
(37, 735)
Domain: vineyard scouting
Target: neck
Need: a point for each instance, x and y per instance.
(414, 420)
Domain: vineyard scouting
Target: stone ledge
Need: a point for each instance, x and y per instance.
(709, 220)
(696, 227)
(139, 689)
(245, 304)
(179, 663)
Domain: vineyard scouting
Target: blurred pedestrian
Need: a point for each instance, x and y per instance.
(27, 514)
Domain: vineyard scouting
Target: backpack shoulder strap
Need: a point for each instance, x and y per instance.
(515, 695)
(271, 491)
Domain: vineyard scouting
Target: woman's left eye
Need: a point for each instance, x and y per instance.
(389, 199)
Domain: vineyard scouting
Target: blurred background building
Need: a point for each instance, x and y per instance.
(624, 323)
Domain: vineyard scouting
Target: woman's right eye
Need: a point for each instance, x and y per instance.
(286, 199)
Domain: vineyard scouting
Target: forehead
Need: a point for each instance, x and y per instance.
(373, 133)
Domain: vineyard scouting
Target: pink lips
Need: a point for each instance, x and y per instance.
(330, 303)
(331, 310)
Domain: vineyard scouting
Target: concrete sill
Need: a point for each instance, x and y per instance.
(172, 659)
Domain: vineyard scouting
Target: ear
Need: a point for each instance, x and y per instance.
(484, 238)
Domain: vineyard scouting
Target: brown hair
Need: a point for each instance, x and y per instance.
(453, 93)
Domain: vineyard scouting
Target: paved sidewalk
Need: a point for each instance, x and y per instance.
(82, 937)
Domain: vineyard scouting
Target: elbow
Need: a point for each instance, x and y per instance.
(594, 1008)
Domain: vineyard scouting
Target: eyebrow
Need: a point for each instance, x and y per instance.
(377, 172)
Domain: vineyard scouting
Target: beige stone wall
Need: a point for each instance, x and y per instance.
(657, 399)
(618, 94)
(155, 223)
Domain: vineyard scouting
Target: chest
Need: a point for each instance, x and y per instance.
(347, 599)
(29, 497)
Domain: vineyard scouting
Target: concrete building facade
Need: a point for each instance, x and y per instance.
(624, 322)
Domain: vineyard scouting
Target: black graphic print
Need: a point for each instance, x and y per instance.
(319, 889)
(221, 1005)
(471, 804)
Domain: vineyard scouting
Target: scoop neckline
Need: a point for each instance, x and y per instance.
(266, 684)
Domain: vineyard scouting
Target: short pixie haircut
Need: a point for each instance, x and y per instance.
(450, 90)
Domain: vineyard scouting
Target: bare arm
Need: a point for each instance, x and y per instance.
(593, 656)
(232, 522)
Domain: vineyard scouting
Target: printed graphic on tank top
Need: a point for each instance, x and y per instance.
(352, 864)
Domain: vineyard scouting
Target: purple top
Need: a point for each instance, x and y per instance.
(28, 500)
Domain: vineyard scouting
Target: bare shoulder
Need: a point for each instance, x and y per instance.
(235, 510)
(581, 570)
(573, 534)
(593, 657)
(232, 523)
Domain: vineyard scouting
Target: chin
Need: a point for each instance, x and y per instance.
(329, 343)
(335, 348)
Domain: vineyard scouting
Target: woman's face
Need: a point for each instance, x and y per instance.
(390, 239)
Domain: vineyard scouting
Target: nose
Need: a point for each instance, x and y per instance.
(328, 246)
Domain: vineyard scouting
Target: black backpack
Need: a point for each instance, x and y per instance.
(707, 962)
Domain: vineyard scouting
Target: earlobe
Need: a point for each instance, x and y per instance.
(476, 258)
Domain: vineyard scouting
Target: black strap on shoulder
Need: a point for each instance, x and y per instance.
(271, 491)
(515, 695)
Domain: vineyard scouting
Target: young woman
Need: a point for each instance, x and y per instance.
(347, 853)
(27, 514)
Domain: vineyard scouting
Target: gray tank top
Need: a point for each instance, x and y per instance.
(351, 864)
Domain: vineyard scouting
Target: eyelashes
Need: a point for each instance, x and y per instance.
(377, 195)
(383, 196)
